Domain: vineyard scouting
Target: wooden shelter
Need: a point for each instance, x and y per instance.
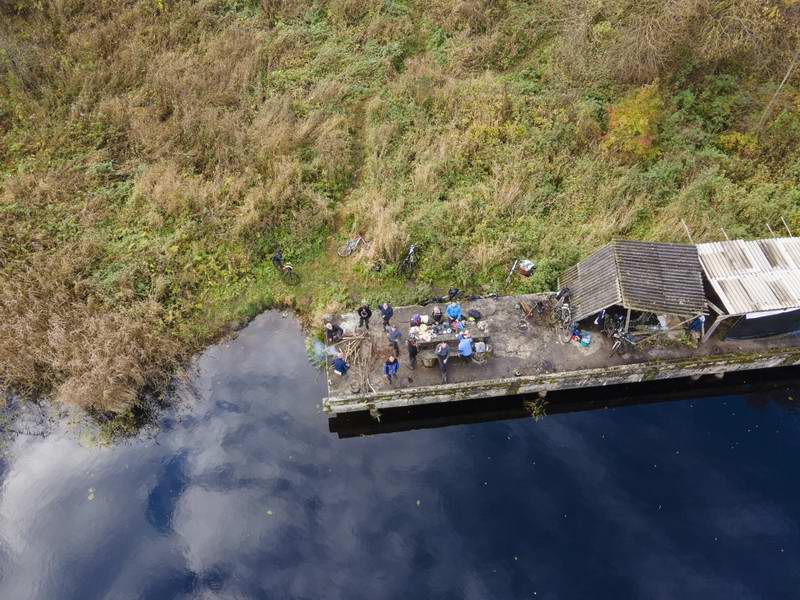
(643, 276)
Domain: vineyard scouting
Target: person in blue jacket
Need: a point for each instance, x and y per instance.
(386, 311)
(394, 336)
(454, 311)
(340, 365)
(465, 345)
(390, 368)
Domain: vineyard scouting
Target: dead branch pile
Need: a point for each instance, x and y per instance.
(357, 349)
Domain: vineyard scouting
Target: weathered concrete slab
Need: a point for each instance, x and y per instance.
(534, 360)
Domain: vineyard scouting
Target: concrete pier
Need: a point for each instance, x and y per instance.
(531, 359)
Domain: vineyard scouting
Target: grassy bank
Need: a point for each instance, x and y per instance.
(153, 154)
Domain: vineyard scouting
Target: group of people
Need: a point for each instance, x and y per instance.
(391, 365)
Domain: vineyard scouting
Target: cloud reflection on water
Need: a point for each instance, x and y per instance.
(246, 495)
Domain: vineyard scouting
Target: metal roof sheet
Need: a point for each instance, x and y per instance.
(645, 276)
(753, 276)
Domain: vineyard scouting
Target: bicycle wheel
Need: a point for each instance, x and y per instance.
(566, 314)
(291, 278)
(565, 333)
(620, 345)
(406, 266)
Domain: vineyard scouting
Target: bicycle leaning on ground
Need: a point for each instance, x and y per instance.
(409, 263)
(351, 246)
(285, 269)
(614, 330)
(623, 341)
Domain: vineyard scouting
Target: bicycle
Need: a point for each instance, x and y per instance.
(622, 341)
(286, 271)
(351, 246)
(410, 261)
(289, 275)
(561, 316)
(612, 323)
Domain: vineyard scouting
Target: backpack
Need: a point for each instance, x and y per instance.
(474, 314)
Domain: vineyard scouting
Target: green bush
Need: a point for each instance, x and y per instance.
(633, 124)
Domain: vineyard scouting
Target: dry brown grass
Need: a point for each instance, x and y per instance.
(640, 40)
(58, 337)
(379, 219)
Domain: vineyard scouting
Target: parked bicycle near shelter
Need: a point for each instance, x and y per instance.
(561, 316)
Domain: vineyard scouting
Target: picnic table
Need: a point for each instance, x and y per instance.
(451, 339)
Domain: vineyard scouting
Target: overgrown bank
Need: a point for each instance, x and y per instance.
(154, 153)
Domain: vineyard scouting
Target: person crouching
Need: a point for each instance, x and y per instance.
(340, 365)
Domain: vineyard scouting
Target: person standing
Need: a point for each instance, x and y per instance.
(394, 336)
(364, 314)
(390, 368)
(412, 351)
(386, 311)
(442, 354)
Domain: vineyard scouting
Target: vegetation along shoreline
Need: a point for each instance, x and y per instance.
(155, 153)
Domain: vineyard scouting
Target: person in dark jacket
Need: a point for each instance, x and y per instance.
(386, 311)
(390, 368)
(364, 314)
(412, 351)
(442, 354)
(333, 333)
(436, 315)
(340, 365)
(277, 259)
(394, 336)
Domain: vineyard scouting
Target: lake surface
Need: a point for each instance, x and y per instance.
(244, 493)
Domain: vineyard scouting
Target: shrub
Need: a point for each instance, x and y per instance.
(738, 142)
(633, 124)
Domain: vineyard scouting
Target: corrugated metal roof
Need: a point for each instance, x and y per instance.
(753, 276)
(646, 276)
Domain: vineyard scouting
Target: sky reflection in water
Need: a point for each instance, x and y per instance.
(245, 494)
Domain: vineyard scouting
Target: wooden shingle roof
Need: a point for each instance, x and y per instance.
(644, 276)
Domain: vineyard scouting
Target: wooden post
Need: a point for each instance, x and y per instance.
(714, 326)
(686, 229)
(628, 320)
(767, 109)
(789, 231)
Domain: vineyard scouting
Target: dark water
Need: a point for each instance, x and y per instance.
(245, 494)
